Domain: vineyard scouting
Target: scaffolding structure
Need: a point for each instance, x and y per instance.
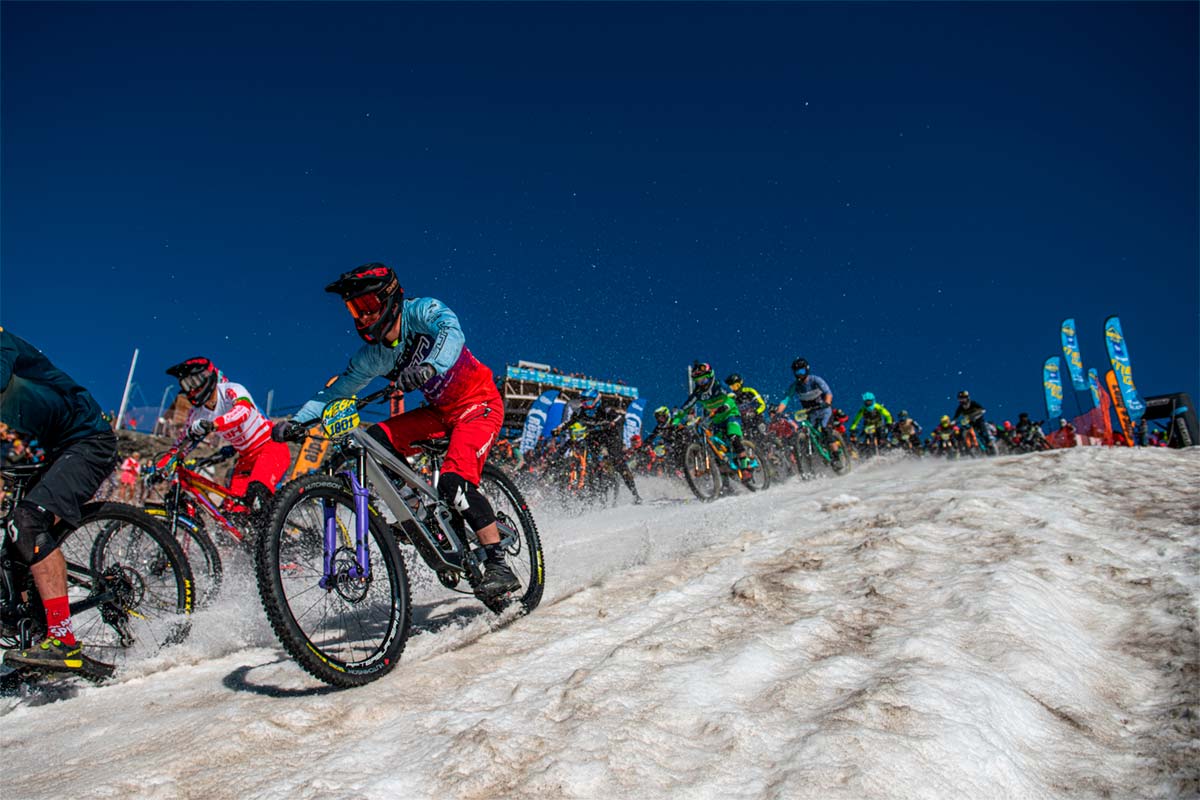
(525, 381)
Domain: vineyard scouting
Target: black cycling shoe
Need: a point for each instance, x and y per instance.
(498, 579)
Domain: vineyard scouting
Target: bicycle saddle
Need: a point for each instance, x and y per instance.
(438, 445)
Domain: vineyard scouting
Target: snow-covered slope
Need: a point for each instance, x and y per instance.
(1019, 627)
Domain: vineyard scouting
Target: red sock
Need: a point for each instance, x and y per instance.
(58, 619)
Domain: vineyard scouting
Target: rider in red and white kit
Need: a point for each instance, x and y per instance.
(227, 408)
(419, 344)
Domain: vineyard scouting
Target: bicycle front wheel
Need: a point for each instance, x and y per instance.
(198, 547)
(130, 586)
(701, 472)
(343, 630)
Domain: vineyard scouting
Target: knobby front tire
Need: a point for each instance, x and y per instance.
(701, 472)
(352, 633)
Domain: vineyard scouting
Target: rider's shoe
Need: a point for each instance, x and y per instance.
(498, 579)
(52, 655)
(637, 499)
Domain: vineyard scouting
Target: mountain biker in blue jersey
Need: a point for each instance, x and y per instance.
(419, 344)
(810, 393)
(41, 401)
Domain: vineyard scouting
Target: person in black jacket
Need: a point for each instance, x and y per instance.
(973, 412)
(40, 401)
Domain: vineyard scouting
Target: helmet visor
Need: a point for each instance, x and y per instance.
(703, 381)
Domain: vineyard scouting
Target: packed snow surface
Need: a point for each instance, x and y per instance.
(1019, 627)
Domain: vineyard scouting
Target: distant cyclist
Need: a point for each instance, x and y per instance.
(221, 405)
(812, 394)
(907, 431)
(40, 401)
(873, 415)
(418, 343)
(750, 404)
(972, 412)
(719, 407)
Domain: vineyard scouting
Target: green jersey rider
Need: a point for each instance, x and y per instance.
(720, 408)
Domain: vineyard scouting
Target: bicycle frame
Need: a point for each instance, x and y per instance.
(808, 429)
(196, 486)
(720, 449)
(369, 455)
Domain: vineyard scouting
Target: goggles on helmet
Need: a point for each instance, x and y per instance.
(365, 308)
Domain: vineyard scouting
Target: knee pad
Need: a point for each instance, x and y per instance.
(464, 497)
(30, 534)
(736, 443)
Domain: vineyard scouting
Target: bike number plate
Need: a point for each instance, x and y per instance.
(340, 417)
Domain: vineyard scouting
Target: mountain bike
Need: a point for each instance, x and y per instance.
(811, 444)
(709, 462)
(329, 567)
(188, 492)
(128, 582)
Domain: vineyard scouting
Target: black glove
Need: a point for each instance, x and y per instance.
(288, 430)
(228, 451)
(415, 377)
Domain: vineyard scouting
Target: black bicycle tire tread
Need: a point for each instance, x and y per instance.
(208, 548)
(531, 598)
(691, 480)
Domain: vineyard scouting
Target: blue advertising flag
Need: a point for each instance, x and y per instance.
(535, 420)
(1094, 382)
(1118, 355)
(633, 419)
(1070, 346)
(1052, 383)
(554, 417)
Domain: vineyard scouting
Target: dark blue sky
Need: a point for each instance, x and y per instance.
(911, 196)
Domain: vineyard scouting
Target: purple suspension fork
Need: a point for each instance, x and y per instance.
(362, 520)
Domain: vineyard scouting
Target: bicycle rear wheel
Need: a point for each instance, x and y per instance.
(839, 459)
(352, 631)
(130, 586)
(760, 475)
(524, 549)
